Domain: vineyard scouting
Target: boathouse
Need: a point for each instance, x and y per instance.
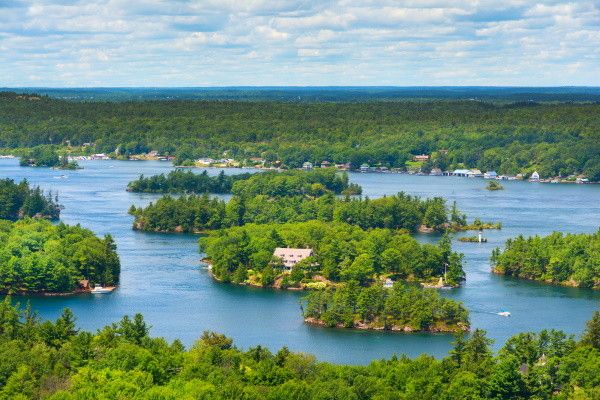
(490, 175)
(535, 177)
(291, 256)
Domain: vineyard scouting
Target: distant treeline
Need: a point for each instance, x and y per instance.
(194, 213)
(270, 183)
(564, 259)
(19, 200)
(57, 361)
(554, 139)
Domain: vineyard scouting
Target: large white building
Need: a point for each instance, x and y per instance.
(290, 256)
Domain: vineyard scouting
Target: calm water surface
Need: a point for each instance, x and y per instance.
(162, 277)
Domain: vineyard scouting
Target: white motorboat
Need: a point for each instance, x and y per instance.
(101, 290)
(504, 314)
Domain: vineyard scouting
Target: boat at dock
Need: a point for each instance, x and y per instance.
(101, 290)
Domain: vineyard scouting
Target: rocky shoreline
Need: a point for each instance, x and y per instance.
(394, 328)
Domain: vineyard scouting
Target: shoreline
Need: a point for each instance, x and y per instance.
(460, 328)
(568, 284)
(56, 294)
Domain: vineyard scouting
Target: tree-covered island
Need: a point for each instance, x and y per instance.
(39, 257)
(46, 156)
(19, 200)
(198, 214)
(398, 308)
(337, 253)
(269, 183)
(55, 360)
(561, 259)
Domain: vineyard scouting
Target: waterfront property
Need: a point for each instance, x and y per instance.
(490, 175)
(290, 256)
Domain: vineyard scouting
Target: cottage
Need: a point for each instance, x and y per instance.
(436, 172)
(535, 177)
(474, 173)
(290, 256)
(205, 161)
(307, 166)
(325, 164)
(364, 167)
(421, 158)
(490, 175)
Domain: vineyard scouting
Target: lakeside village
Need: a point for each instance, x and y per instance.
(412, 168)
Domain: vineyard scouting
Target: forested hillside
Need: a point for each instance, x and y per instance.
(555, 139)
(55, 360)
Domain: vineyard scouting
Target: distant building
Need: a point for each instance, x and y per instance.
(343, 167)
(474, 173)
(364, 167)
(436, 172)
(290, 256)
(307, 166)
(460, 172)
(205, 161)
(535, 177)
(325, 164)
(99, 156)
(421, 158)
(490, 175)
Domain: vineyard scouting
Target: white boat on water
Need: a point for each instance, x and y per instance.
(101, 290)
(504, 314)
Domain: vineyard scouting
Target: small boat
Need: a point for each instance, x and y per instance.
(101, 290)
(504, 314)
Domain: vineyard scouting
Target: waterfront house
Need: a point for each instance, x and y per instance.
(290, 256)
(99, 156)
(343, 167)
(474, 173)
(325, 164)
(421, 158)
(535, 177)
(205, 161)
(436, 172)
(490, 175)
(307, 166)
(364, 168)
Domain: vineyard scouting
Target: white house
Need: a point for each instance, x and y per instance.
(307, 166)
(364, 168)
(290, 256)
(535, 177)
(490, 175)
(474, 173)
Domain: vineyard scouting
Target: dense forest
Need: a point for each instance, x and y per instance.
(400, 308)
(19, 200)
(201, 213)
(564, 259)
(57, 361)
(552, 138)
(342, 253)
(271, 183)
(39, 257)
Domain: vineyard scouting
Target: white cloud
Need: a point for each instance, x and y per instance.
(271, 42)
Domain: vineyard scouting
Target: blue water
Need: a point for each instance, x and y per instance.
(163, 279)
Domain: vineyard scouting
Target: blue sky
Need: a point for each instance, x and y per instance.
(278, 42)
